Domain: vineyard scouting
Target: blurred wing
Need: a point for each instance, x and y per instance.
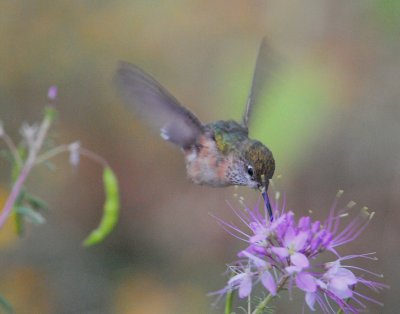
(264, 71)
(152, 102)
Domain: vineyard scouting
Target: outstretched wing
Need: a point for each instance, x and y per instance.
(152, 102)
(265, 68)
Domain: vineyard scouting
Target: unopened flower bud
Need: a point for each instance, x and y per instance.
(52, 92)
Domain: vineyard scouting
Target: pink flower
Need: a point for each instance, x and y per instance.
(339, 280)
(263, 269)
(243, 281)
(293, 244)
(281, 254)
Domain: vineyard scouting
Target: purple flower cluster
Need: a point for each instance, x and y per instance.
(282, 254)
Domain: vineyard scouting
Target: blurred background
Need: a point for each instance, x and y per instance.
(332, 121)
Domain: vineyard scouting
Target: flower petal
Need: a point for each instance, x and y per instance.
(256, 260)
(300, 260)
(293, 269)
(280, 251)
(268, 282)
(236, 279)
(304, 223)
(306, 282)
(340, 288)
(321, 284)
(289, 236)
(332, 268)
(346, 275)
(300, 240)
(315, 226)
(310, 300)
(245, 287)
(259, 250)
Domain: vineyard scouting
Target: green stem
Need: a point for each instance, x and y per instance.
(228, 302)
(52, 153)
(262, 305)
(65, 148)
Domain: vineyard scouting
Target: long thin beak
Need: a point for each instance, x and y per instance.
(267, 202)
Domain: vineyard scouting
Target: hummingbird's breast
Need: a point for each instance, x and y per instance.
(205, 164)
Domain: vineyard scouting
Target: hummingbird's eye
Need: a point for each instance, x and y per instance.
(250, 170)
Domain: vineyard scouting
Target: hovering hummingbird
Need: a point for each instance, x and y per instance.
(217, 154)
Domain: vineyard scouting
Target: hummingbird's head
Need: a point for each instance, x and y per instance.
(259, 165)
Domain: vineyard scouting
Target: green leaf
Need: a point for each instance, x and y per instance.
(31, 215)
(110, 209)
(19, 224)
(6, 306)
(36, 202)
(16, 167)
(18, 218)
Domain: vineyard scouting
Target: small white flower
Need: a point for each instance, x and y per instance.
(29, 132)
(74, 155)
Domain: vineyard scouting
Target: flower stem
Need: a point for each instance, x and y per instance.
(26, 168)
(65, 148)
(93, 156)
(52, 153)
(262, 305)
(228, 302)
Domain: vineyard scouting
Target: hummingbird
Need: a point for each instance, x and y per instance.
(217, 154)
